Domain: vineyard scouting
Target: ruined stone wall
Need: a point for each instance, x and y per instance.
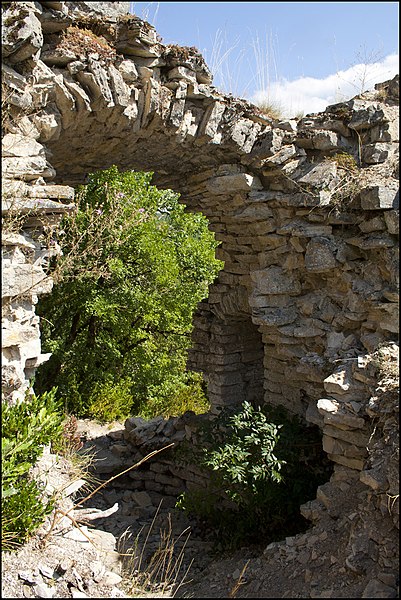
(306, 211)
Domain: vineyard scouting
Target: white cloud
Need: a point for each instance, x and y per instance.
(308, 94)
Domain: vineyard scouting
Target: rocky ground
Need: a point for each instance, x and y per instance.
(172, 559)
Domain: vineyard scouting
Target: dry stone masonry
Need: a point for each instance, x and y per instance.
(306, 211)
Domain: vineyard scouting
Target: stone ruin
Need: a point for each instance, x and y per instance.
(306, 211)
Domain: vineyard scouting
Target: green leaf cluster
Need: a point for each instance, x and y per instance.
(262, 464)
(135, 265)
(247, 457)
(26, 428)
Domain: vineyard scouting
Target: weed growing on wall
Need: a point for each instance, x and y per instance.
(27, 428)
(261, 465)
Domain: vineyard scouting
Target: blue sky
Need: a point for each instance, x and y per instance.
(300, 56)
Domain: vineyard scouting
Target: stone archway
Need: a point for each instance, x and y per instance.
(306, 211)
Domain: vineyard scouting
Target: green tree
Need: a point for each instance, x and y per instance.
(118, 321)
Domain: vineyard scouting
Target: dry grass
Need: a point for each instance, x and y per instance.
(273, 110)
(160, 571)
(60, 514)
(240, 581)
(82, 42)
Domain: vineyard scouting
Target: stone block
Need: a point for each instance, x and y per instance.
(168, 480)
(244, 133)
(25, 279)
(133, 422)
(27, 168)
(274, 317)
(335, 415)
(326, 140)
(375, 479)
(340, 447)
(211, 121)
(255, 212)
(22, 36)
(16, 144)
(351, 436)
(392, 219)
(365, 115)
(142, 499)
(300, 228)
(352, 463)
(182, 73)
(128, 71)
(153, 486)
(267, 144)
(275, 281)
(338, 382)
(377, 197)
(375, 224)
(319, 256)
(373, 154)
(231, 184)
(372, 241)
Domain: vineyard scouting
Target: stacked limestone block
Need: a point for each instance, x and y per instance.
(31, 207)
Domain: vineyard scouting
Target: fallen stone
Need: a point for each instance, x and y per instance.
(27, 576)
(46, 571)
(43, 591)
(142, 499)
(378, 589)
(110, 578)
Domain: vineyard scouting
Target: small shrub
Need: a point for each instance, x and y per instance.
(191, 395)
(26, 428)
(262, 465)
(111, 401)
(345, 161)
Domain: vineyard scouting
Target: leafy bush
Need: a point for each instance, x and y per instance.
(26, 428)
(262, 465)
(119, 319)
(180, 394)
(110, 401)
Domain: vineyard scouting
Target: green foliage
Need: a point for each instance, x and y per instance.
(184, 392)
(248, 456)
(262, 465)
(26, 428)
(110, 402)
(133, 269)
